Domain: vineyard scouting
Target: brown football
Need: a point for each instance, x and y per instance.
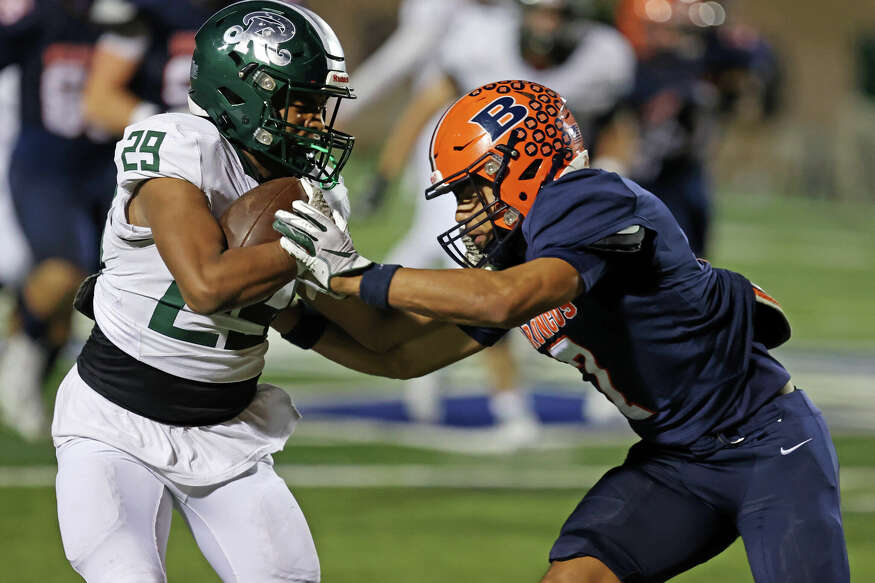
(249, 220)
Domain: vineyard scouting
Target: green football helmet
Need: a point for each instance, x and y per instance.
(252, 60)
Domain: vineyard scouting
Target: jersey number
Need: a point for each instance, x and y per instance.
(564, 350)
(163, 321)
(146, 144)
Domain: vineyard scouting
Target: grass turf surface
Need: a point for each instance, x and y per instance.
(416, 534)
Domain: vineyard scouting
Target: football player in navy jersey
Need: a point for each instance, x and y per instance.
(60, 177)
(597, 273)
(692, 71)
(141, 65)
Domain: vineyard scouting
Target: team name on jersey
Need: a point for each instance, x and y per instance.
(543, 327)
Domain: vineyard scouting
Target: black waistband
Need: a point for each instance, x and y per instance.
(152, 393)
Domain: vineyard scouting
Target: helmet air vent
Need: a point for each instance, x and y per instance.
(231, 97)
(531, 170)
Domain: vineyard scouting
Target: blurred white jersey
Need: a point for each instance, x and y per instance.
(422, 24)
(484, 45)
(137, 303)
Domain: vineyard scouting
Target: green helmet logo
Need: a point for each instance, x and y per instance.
(265, 31)
(255, 59)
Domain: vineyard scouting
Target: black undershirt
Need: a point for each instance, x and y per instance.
(152, 393)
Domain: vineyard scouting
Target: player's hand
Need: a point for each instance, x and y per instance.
(319, 245)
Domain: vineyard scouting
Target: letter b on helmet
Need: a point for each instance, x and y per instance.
(499, 116)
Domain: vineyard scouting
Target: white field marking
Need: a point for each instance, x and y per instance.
(434, 476)
(454, 440)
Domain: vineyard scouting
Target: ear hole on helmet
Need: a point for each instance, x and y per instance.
(230, 96)
(531, 170)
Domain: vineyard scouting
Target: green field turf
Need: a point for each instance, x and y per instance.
(398, 535)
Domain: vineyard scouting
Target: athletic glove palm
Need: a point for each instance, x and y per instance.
(320, 246)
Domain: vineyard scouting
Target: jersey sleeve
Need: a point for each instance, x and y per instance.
(573, 213)
(162, 146)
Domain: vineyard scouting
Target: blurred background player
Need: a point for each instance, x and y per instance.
(694, 71)
(137, 64)
(142, 62)
(60, 177)
(15, 258)
(406, 54)
(548, 41)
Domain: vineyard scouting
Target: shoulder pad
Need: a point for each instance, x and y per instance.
(628, 240)
(770, 323)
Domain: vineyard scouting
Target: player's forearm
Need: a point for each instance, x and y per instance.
(406, 130)
(238, 277)
(377, 330)
(416, 357)
(109, 108)
(460, 296)
(502, 299)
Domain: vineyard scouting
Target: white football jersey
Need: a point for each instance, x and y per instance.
(483, 45)
(137, 303)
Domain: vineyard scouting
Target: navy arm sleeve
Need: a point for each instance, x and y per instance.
(483, 334)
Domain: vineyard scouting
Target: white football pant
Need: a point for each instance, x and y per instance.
(115, 513)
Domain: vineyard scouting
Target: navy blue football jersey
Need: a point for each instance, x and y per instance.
(666, 337)
(163, 74)
(52, 41)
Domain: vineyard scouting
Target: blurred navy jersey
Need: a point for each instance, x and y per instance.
(52, 41)
(168, 29)
(61, 173)
(669, 339)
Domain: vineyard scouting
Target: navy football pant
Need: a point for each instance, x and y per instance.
(664, 511)
(61, 191)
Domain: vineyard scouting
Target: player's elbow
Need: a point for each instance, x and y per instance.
(403, 364)
(405, 371)
(502, 310)
(201, 297)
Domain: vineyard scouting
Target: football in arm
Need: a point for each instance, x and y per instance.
(249, 220)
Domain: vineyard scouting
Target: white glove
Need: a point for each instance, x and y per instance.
(332, 203)
(318, 244)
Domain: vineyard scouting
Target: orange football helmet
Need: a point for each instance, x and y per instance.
(512, 135)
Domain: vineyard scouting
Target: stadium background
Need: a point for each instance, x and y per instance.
(388, 502)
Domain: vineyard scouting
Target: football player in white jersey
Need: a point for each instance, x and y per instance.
(163, 408)
(545, 41)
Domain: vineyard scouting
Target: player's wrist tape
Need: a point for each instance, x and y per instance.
(309, 329)
(374, 287)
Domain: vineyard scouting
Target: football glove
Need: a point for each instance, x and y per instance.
(333, 203)
(320, 246)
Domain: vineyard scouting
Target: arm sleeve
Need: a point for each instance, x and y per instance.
(483, 334)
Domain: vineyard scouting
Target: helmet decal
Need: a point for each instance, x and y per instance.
(500, 115)
(265, 31)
